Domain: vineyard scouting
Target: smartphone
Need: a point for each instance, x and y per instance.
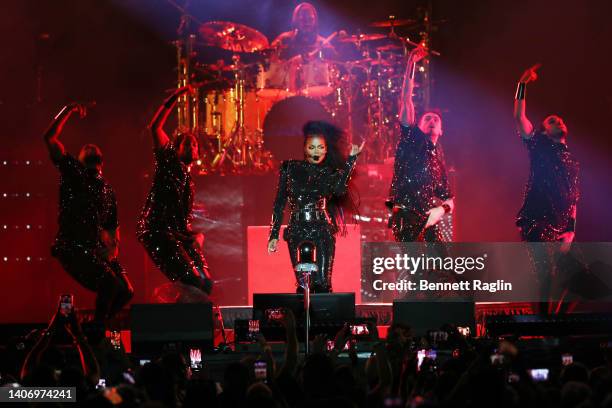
(393, 402)
(513, 378)
(464, 331)
(567, 359)
(101, 384)
(195, 359)
(359, 330)
(497, 358)
(253, 330)
(275, 314)
(115, 339)
(129, 378)
(431, 354)
(347, 346)
(421, 354)
(66, 303)
(261, 370)
(539, 374)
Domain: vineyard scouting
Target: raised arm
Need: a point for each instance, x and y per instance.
(407, 116)
(523, 125)
(55, 147)
(160, 138)
(342, 177)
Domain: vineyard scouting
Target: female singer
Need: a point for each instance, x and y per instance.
(317, 191)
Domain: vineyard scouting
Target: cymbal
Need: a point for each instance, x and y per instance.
(390, 48)
(232, 36)
(393, 22)
(362, 37)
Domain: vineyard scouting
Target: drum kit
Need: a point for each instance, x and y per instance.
(248, 109)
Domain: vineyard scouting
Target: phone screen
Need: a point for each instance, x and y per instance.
(464, 331)
(359, 330)
(101, 384)
(195, 359)
(261, 370)
(115, 339)
(539, 374)
(253, 332)
(421, 354)
(567, 359)
(275, 314)
(66, 304)
(347, 345)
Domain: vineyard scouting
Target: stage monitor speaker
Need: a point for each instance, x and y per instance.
(171, 326)
(324, 307)
(424, 316)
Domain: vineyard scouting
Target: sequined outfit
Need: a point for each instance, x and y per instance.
(550, 195)
(164, 227)
(310, 190)
(87, 207)
(419, 178)
(551, 192)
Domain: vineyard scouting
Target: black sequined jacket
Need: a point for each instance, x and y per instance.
(552, 190)
(419, 175)
(168, 206)
(309, 186)
(87, 204)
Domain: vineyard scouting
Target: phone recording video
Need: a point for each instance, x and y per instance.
(497, 358)
(66, 304)
(347, 345)
(567, 359)
(195, 359)
(464, 331)
(115, 339)
(539, 374)
(359, 330)
(422, 354)
(393, 402)
(275, 314)
(253, 332)
(261, 370)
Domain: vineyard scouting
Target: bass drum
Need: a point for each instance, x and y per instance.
(283, 124)
(219, 112)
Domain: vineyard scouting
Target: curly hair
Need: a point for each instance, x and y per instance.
(335, 160)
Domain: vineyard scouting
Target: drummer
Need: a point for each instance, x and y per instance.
(304, 38)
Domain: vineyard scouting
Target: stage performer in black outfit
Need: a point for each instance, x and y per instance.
(420, 194)
(87, 241)
(304, 37)
(317, 190)
(548, 213)
(164, 227)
